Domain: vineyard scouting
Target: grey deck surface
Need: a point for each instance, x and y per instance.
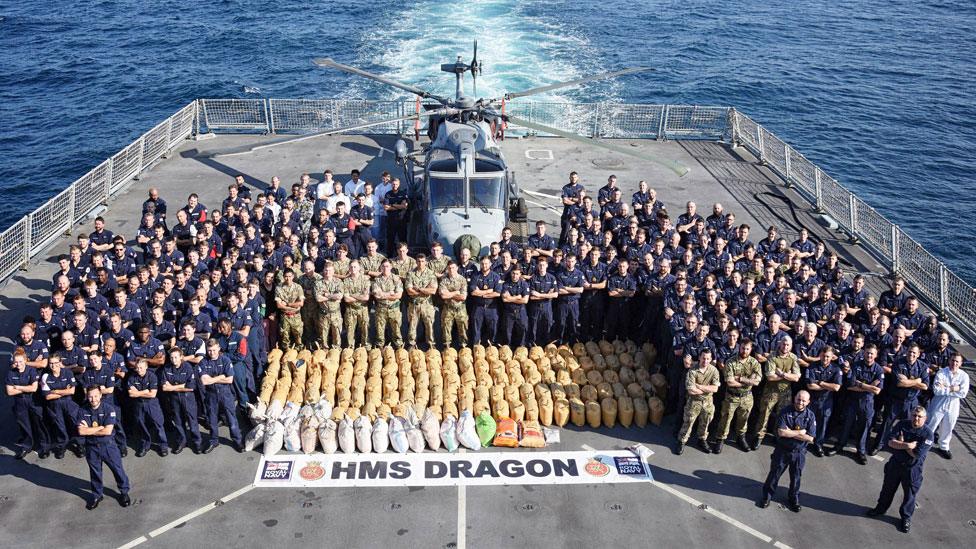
(42, 502)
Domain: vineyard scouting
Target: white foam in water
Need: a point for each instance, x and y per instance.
(518, 51)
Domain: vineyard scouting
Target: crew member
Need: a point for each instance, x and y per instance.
(420, 285)
(822, 380)
(22, 385)
(863, 382)
(910, 443)
(794, 430)
(571, 287)
(543, 289)
(515, 321)
(700, 384)
(57, 388)
(782, 370)
(387, 290)
(950, 387)
(216, 374)
(453, 290)
(741, 375)
(484, 289)
(96, 423)
(179, 384)
(142, 385)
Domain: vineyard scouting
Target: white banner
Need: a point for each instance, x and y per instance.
(443, 469)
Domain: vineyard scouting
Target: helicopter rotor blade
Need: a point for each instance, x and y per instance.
(247, 149)
(556, 86)
(326, 62)
(676, 167)
(474, 69)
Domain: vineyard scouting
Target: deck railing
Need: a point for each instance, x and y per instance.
(929, 277)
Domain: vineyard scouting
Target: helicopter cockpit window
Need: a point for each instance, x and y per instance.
(446, 192)
(488, 192)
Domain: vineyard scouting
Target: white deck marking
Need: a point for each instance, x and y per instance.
(462, 519)
(188, 517)
(542, 195)
(708, 509)
(541, 205)
(538, 154)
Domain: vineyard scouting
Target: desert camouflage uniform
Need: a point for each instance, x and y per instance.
(357, 314)
(454, 313)
(371, 264)
(698, 407)
(420, 307)
(388, 312)
(330, 315)
(341, 267)
(738, 400)
(290, 324)
(403, 266)
(310, 309)
(776, 394)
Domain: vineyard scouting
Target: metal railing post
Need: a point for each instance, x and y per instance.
(895, 260)
(760, 144)
(196, 118)
(71, 208)
(27, 239)
(596, 120)
(736, 131)
(660, 122)
(787, 150)
(268, 124)
(943, 291)
(852, 216)
(818, 188)
(108, 180)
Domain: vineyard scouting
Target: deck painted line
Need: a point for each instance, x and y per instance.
(781, 545)
(714, 512)
(544, 206)
(462, 515)
(133, 543)
(188, 517)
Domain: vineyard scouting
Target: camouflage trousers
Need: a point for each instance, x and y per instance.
(700, 409)
(734, 408)
(330, 329)
(389, 316)
(290, 330)
(310, 314)
(770, 403)
(417, 312)
(357, 320)
(451, 318)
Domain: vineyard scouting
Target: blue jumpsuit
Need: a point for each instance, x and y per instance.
(619, 323)
(101, 449)
(567, 307)
(183, 405)
(147, 412)
(540, 310)
(484, 311)
(237, 349)
(903, 469)
(60, 412)
(790, 453)
(515, 320)
(218, 398)
(822, 402)
(860, 406)
(27, 410)
(105, 377)
(593, 303)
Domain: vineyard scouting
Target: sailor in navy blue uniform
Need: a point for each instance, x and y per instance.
(593, 301)
(541, 243)
(235, 347)
(543, 290)
(864, 381)
(794, 430)
(910, 442)
(621, 287)
(179, 383)
(57, 387)
(515, 320)
(35, 349)
(142, 386)
(96, 422)
(101, 375)
(822, 379)
(571, 284)
(911, 379)
(216, 374)
(22, 386)
(483, 290)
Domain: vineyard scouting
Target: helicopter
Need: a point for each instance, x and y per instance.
(462, 192)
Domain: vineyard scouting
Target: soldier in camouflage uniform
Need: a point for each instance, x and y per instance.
(387, 291)
(342, 262)
(782, 370)
(289, 298)
(403, 263)
(437, 260)
(356, 291)
(420, 284)
(372, 259)
(328, 295)
(288, 264)
(741, 375)
(701, 383)
(453, 293)
(310, 310)
(304, 204)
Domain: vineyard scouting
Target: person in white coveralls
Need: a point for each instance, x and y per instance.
(951, 386)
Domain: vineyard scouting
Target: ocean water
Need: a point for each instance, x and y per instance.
(878, 93)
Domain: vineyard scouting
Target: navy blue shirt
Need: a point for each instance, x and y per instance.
(96, 417)
(141, 383)
(791, 419)
(818, 373)
(570, 191)
(918, 369)
(515, 289)
(593, 274)
(543, 284)
(220, 366)
(570, 279)
(149, 349)
(906, 432)
(103, 377)
(621, 282)
(22, 379)
(545, 242)
(184, 375)
(869, 375)
(481, 281)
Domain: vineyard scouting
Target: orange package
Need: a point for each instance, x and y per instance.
(506, 433)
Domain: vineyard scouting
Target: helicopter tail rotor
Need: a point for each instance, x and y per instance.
(475, 69)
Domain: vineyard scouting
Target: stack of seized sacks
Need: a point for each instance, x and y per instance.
(369, 400)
